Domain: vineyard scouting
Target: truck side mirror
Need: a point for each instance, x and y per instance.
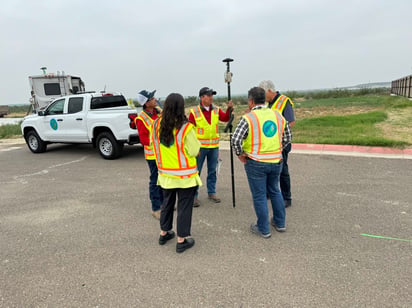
(40, 113)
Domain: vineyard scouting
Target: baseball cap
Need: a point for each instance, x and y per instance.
(144, 95)
(206, 91)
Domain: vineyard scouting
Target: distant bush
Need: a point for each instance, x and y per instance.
(191, 101)
(336, 93)
(307, 95)
(218, 100)
(19, 108)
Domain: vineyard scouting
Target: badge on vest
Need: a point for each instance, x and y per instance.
(269, 128)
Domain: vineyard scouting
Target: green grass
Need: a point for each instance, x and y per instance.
(335, 93)
(374, 101)
(362, 128)
(357, 129)
(10, 130)
(370, 101)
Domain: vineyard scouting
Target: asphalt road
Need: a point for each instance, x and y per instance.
(76, 231)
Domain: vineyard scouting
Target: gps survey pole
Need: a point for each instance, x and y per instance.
(229, 126)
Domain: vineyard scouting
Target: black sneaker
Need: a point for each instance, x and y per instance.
(168, 236)
(186, 244)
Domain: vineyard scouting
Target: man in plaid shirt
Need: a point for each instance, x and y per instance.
(261, 152)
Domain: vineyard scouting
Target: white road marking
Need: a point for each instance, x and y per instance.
(206, 223)
(22, 179)
(391, 202)
(10, 149)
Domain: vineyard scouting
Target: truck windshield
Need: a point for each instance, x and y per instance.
(108, 101)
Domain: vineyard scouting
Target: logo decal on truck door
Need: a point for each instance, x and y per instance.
(53, 124)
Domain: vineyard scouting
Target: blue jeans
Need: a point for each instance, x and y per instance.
(263, 180)
(155, 191)
(212, 156)
(284, 175)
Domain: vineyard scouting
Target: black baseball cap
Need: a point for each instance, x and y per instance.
(206, 91)
(144, 96)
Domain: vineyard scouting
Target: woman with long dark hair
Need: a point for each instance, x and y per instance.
(176, 146)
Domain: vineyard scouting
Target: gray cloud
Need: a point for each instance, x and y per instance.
(178, 46)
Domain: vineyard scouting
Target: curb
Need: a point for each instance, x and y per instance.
(343, 150)
(313, 149)
(351, 150)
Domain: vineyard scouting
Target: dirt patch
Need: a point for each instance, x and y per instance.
(302, 113)
(12, 140)
(398, 125)
(299, 99)
(16, 115)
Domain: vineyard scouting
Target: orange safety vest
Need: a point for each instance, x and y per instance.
(148, 122)
(174, 161)
(207, 134)
(280, 103)
(264, 140)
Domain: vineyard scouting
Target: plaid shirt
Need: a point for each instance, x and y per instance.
(242, 130)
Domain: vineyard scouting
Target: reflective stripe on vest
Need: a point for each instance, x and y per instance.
(176, 163)
(280, 103)
(147, 121)
(257, 145)
(207, 134)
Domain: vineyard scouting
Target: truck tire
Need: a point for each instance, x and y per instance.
(108, 146)
(35, 143)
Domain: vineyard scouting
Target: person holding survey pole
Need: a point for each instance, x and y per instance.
(205, 118)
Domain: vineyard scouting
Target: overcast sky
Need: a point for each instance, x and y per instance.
(178, 46)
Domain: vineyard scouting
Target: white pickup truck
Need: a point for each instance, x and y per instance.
(102, 119)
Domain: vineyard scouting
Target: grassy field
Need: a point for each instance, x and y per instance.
(371, 118)
(10, 131)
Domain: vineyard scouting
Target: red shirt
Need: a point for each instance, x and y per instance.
(223, 116)
(144, 134)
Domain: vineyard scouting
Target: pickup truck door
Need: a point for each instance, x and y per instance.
(75, 123)
(65, 121)
(52, 122)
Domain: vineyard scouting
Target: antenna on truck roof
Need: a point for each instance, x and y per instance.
(44, 70)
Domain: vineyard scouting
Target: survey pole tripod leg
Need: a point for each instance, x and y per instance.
(229, 126)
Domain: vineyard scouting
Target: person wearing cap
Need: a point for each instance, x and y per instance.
(285, 106)
(176, 146)
(206, 118)
(257, 141)
(144, 123)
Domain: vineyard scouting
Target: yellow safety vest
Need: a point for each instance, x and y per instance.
(148, 122)
(207, 134)
(264, 140)
(280, 103)
(174, 161)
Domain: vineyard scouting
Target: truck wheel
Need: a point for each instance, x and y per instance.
(108, 146)
(35, 143)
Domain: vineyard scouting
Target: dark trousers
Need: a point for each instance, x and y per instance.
(284, 175)
(185, 198)
(155, 191)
